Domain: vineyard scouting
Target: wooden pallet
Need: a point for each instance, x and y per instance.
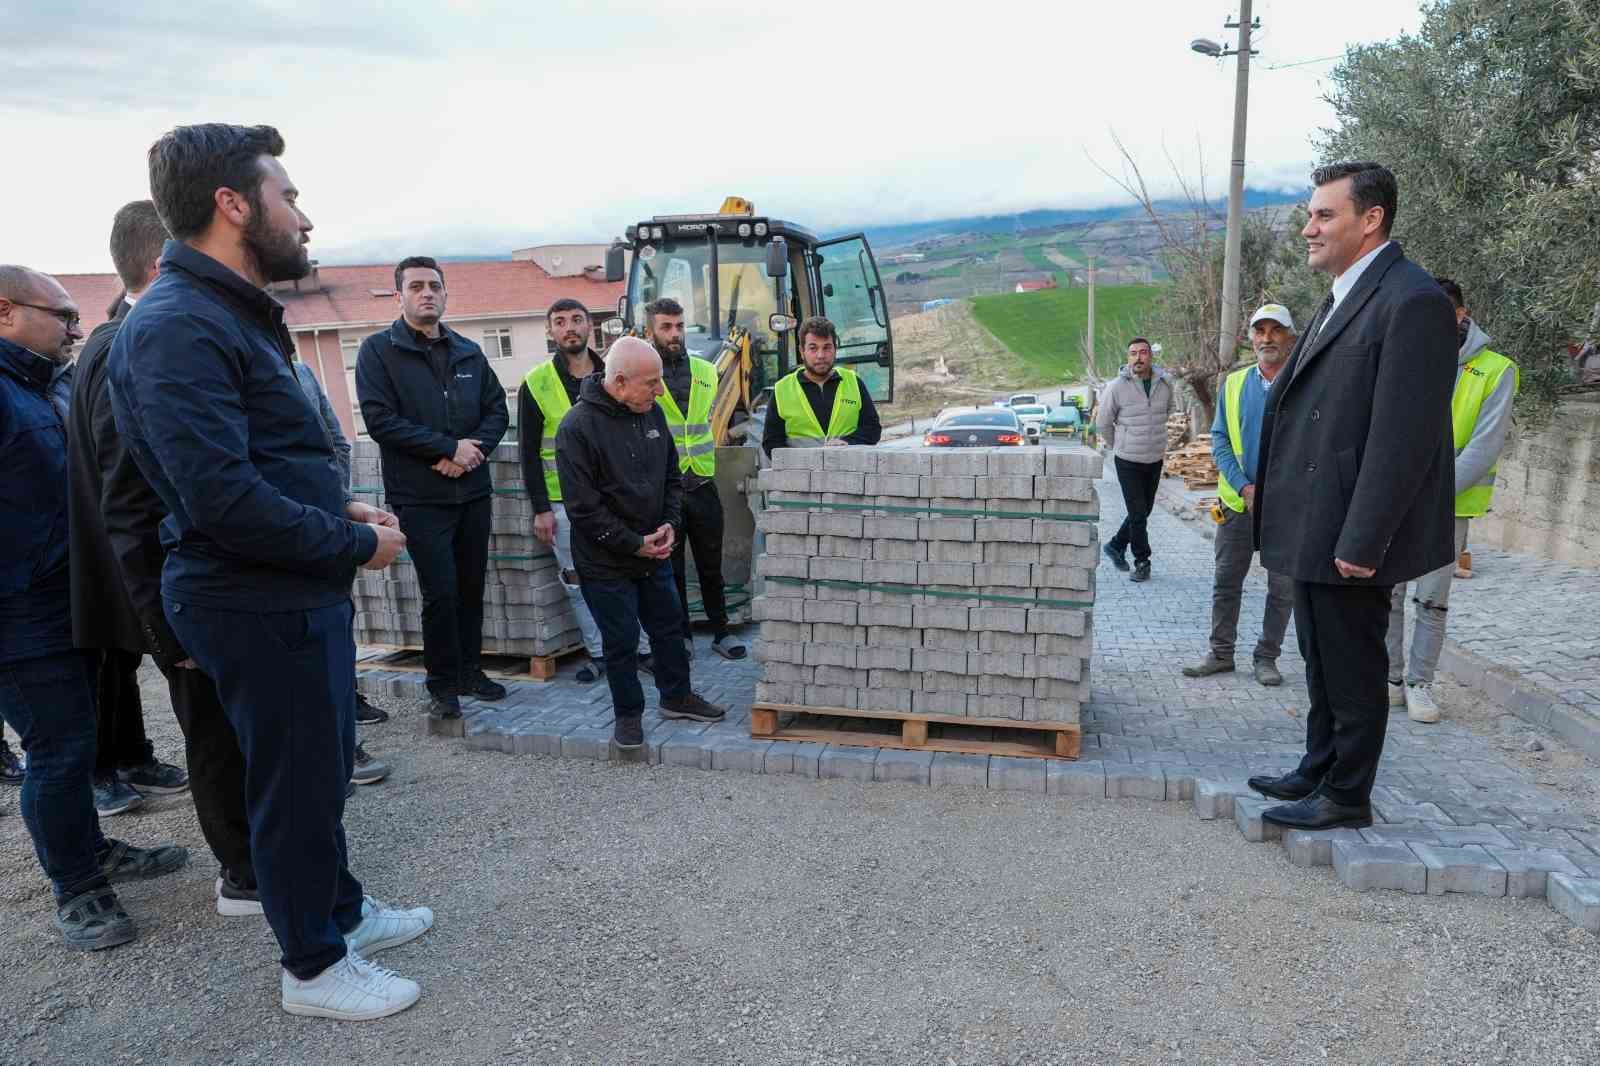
(918, 732)
(515, 667)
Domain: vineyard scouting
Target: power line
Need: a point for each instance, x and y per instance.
(1301, 63)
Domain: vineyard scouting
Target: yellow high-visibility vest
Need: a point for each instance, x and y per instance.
(801, 421)
(1476, 383)
(544, 384)
(697, 450)
(1232, 390)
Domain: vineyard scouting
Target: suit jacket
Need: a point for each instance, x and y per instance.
(1356, 458)
(116, 552)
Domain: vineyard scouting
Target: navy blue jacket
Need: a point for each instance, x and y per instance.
(417, 416)
(35, 593)
(206, 399)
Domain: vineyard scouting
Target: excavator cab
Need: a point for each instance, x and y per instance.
(751, 280)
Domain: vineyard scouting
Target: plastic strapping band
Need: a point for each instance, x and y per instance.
(915, 590)
(930, 510)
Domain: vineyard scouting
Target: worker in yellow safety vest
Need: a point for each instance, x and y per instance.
(817, 395)
(1480, 416)
(546, 395)
(689, 389)
(1235, 445)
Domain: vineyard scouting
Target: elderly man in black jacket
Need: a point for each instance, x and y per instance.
(104, 622)
(619, 478)
(437, 410)
(1357, 487)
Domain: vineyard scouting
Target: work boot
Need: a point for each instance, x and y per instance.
(367, 714)
(1119, 558)
(1141, 571)
(155, 778)
(478, 686)
(1420, 705)
(368, 771)
(1267, 673)
(12, 770)
(693, 708)
(113, 796)
(627, 732)
(1208, 666)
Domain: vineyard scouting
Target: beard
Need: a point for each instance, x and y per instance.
(670, 347)
(573, 345)
(279, 256)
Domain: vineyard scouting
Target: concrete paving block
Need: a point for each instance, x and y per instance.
(782, 651)
(589, 742)
(686, 749)
(945, 574)
(959, 768)
(955, 551)
(831, 696)
(844, 547)
(815, 654)
(797, 459)
(961, 462)
(742, 754)
(1247, 816)
(1470, 870)
(1014, 774)
(1052, 644)
(783, 566)
(906, 486)
(928, 616)
(950, 487)
(843, 482)
(1066, 578)
(1074, 462)
(1075, 778)
(951, 640)
(783, 520)
(1008, 643)
(1049, 688)
(778, 692)
(905, 462)
(994, 705)
(1577, 899)
(1368, 866)
(1400, 834)
(878, 657)
(797, 632)
(1005, 531)
(886, 572)
(854, 764)
(1314, 847)
(1021, 463)
(902, 551)
(1213, 799)
(1015, 575)
(893, 636)
(1018, 554)
(848, 677)
(787, 480)
(1059, 531)
(954, 703)
(1181, 781)
(936, 680)
(791, 544)
(1059, 667)
(1528, 871)
(1067, 622)
(897, 700)
(1005, 487)
(793, 757)
(1136, 781)
(1076, 508)
(1063, 488)
(1399, 813)
(999, 619)
(1037, 710)
(859, 460)
(891, 527)
(1457, 836)
(788, 673)
(824, 569)
(835, 612)
(1086, 556)
(998, 685)
(768, 607)
(908, 767)
(949, 528)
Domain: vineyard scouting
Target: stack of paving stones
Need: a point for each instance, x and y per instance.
(525, 611)
(958, 582)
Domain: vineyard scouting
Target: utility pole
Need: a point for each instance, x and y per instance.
(1089, 343)
(1228, 340)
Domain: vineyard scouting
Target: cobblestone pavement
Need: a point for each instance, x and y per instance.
(1455, 810)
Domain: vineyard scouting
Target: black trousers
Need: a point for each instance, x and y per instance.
(449, 546)
(1139, 482)
(216, 769)
(702, 531)
(120, 741)
(1341, 630)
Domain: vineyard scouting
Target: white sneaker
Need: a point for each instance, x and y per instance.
(235, 902)
(1397, 694)
(1420, 706)
(384, 927)
(351, 990)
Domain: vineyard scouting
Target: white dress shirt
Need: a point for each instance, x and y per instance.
(1347, 281)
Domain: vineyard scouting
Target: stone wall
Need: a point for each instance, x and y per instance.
(1547, 495)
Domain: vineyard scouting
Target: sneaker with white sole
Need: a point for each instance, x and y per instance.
(235, 900)
(383, 926)
(351, 990)
(1397, 693)
(1420, 705)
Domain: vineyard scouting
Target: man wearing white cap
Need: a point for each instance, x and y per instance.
(1235, 445)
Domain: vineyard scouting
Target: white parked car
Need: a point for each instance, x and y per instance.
(1032, 416)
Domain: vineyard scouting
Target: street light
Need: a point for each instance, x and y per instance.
(1227, 339)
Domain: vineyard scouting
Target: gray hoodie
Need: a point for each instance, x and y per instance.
(1482, 449)
(1133, 425)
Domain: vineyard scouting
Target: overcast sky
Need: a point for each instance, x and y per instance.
(477, 126)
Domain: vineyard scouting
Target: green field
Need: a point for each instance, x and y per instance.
(1045, 329)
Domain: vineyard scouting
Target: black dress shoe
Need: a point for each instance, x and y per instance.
(1291, 786)
(1318, 812)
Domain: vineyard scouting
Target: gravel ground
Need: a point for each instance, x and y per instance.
(624, 914)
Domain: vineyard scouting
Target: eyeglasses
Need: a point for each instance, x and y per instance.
(70, 319)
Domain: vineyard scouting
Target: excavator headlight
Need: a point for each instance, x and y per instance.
(744, 229)
(658, 232)
(761, 229)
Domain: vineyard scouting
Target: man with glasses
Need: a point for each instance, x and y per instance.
(45, 694)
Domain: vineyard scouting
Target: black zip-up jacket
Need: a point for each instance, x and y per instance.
(417, 416)
(619, 482)
(205, 397)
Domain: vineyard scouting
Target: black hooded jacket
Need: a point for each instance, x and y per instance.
(619, 482)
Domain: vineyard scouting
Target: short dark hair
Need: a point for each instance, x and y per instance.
(662, 305)
(190, 163)
(1140, 340)
(426, 261)
(137, 235)
(817, 326)
(567, 303)
(1372, 185)
(1452, 289)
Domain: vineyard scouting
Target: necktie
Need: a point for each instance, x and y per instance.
(1322, 313)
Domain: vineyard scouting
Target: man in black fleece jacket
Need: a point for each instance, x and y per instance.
(619, 480)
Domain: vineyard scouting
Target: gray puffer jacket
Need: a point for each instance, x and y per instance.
(1133, 425)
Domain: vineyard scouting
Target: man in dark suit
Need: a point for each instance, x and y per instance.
(1356, 490)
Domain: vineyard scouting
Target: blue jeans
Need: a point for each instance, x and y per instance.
(49, 703)
(286, 680)
(619, 609)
